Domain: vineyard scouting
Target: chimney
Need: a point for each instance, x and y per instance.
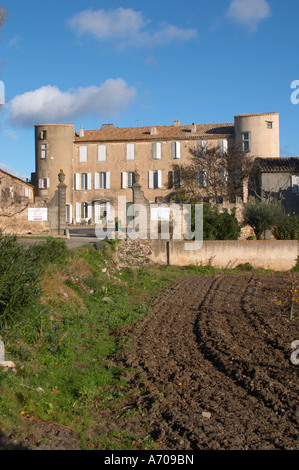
(176, 123)
(81, 132)
(154, 131)
(193, 128)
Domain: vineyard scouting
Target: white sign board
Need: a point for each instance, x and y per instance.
(160, 213)
(38, 214)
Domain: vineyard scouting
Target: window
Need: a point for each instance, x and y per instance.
(83, 153)
(246, 141)
(130, 151)
(155, 179)
(102, 180)
(223, 175)
(43, 151)
(83, 180)
(223, 145)
(269, 124)
(295, 184)
(84, 207)
(174, 179)
(202, 178)
(176, 149)
(127, 179)
(44, 183)
(101, 153)
(43, 134)
(201, 145)
(157, 151)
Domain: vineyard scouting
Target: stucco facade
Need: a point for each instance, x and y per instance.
(99, 164)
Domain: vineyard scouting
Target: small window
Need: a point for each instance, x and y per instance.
(83, 180)
(44, 183)
(43, 134)
(43, 151)
(269, 124)
(246, 141)
(202, 178)
(84, 210)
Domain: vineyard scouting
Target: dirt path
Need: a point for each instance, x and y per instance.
(214, 356)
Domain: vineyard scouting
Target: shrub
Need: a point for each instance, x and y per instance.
(54, 251)
(262, 215)
(219, 225)
(287, 228)
(19, 280)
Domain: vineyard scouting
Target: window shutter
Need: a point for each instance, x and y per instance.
(48, 182)
(108, 212)
(151, 179)
(88, 180)
(83, 153)
(108, 180)
(77, 181)
(71, 214)
(201, 145)
(101, 153)
(130, 151)
(157, 151)
(96, 180)
(89, 210)
(96, 213)
(202, 178)
(159, 179)
(223, 146)
(124, 178)
(223, 175)
(40, 183)
(78, 211)
(176, 149)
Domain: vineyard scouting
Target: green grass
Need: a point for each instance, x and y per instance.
(62, 344)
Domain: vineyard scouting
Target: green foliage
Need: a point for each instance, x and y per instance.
(218, 225)
(52, 251)
(287, 228)
(262, 215)
(19, 280)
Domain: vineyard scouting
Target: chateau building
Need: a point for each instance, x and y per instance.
(100, 164)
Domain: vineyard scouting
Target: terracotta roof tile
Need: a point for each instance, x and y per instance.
(278, 165)
(134, 134)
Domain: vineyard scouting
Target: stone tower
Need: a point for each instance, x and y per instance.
(53, 151)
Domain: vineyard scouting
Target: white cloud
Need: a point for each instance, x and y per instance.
(249, 12)
(127, 27)
(49, 104)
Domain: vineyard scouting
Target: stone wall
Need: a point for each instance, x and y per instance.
(267, 254)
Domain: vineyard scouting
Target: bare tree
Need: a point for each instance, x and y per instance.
(214, 174)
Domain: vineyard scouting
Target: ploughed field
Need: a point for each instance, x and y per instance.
(214, 358)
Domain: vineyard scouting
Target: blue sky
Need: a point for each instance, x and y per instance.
(145, 63)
